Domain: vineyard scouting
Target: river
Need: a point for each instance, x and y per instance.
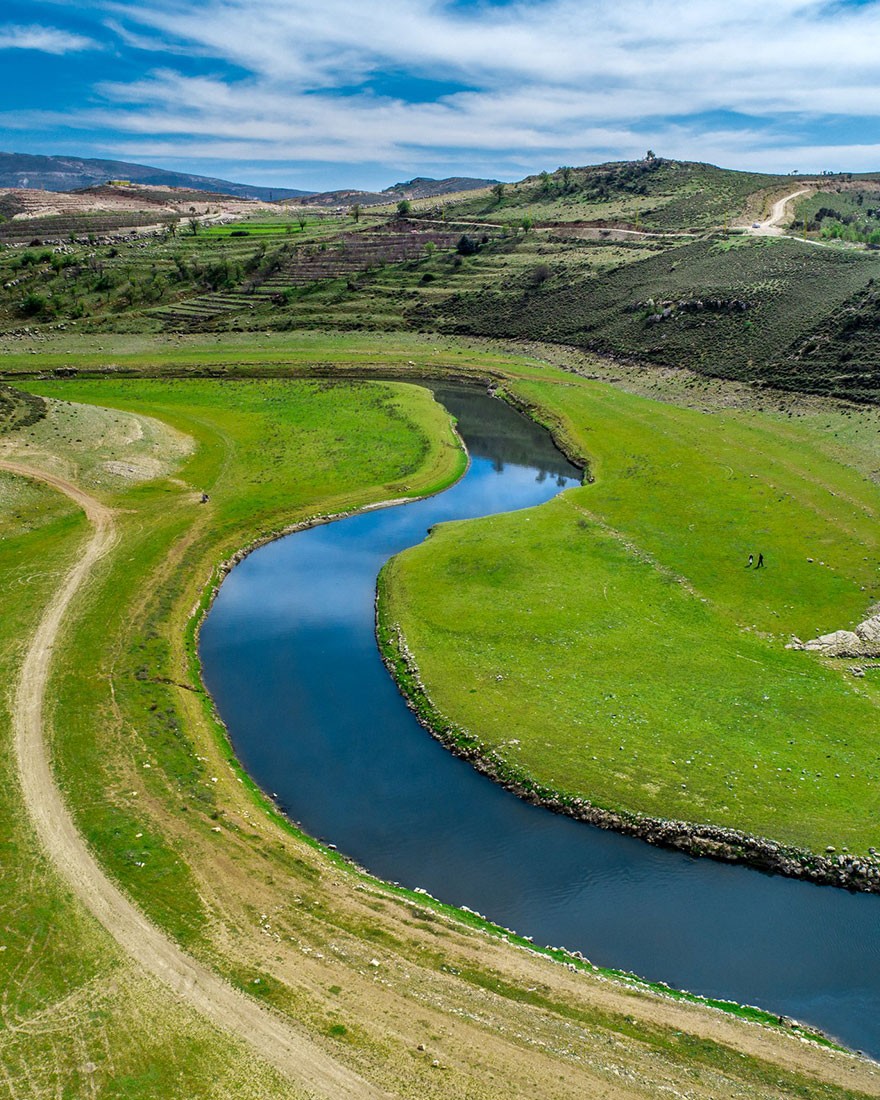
(289, 655)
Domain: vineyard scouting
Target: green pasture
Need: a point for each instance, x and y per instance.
(612, 645)
(75, 1019)
(265, 452)
(269, 452)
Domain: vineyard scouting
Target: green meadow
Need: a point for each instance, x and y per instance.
(613, 644)
(155, 790)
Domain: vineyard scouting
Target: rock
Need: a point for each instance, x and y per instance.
(869, 630)
(840, 643)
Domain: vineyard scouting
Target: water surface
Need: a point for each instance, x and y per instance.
(289, 655)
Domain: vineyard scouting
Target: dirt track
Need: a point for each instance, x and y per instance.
(771, 227)
(294, 1055)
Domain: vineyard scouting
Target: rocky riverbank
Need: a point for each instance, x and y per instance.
(860, 873)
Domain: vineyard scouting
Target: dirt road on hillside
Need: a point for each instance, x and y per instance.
(772, 227)
(293, 1054)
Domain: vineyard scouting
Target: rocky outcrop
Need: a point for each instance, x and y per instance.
(864, 641)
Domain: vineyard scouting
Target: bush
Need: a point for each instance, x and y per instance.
(33, 305)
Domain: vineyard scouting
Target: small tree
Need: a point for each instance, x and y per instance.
(356, 211)
(498, 193)
(650, 155)
(404, 207)
(527, 223)
(302, 221)
(194, 225)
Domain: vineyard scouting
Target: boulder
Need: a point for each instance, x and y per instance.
(840, 643)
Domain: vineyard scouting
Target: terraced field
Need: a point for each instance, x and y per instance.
(337, 257)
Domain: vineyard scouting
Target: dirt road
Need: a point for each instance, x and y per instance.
(772, 226)
(293, 1054)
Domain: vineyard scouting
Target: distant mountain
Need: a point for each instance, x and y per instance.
(73, 173)
(347, 197)
(424, 188)
(418, 188)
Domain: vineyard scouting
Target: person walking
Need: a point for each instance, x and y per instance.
(760, 564)
(751, 561)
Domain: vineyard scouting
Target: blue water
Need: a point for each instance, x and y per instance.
(289, 655)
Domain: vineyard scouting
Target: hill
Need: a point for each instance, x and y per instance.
(414, 189)
(425, 188)
(652, 261)
(47, 173)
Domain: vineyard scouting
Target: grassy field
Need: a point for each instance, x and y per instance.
(617, 648)
(448, 1010)
(76, 1019)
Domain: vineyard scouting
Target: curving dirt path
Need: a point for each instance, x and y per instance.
(292, 1054)
(771, 227)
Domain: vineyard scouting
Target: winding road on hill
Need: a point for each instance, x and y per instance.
(292, 1054)
(772, 226)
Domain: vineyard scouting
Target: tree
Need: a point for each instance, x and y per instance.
(650, 155)
(302, 221)
(356, 211)
(498, 193)
(404, 207)
(466, 246)
(527, 224)
(194, 225)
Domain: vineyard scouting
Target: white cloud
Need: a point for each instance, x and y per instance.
(45, 39)
(545, 82)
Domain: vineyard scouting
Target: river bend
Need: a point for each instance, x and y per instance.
(289, 655)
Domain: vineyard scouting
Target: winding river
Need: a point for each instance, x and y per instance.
(289, 654)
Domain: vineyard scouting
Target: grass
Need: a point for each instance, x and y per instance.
(268, 450)
(743, 310)
(257, 900)
(726, 312)
(617, 648)
(74, 1020)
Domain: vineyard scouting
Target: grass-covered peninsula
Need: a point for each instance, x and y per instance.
(614, 645)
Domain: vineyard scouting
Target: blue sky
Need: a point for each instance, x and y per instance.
(339, 93)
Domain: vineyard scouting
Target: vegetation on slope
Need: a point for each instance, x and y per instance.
(633, 260)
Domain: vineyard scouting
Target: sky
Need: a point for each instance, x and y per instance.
(323, 94)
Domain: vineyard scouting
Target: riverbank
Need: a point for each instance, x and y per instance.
(707, 841)
(386, 984)
(620, 651)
